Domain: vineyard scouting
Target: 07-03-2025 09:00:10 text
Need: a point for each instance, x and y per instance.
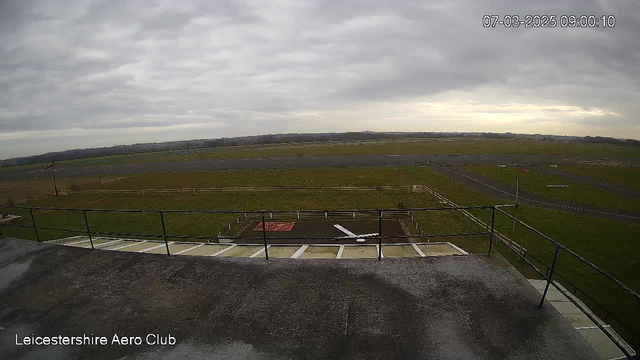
(549, 21)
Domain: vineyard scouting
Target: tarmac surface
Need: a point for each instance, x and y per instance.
(450, 307)
(283, 162)
(495, 188)
(323, 231)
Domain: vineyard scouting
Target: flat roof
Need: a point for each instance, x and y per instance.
(458, 307)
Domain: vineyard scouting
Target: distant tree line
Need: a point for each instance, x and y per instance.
(289, 138)
(609, 140)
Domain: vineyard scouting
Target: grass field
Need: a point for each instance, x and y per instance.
(609, 244)
(22, 190)
(536, 182)
(625, 176)
(418, 146)
(305, 177)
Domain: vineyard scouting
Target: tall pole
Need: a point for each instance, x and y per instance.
(264, 237)
(550, 276)
(86, 222)
(33, 222)
(379, 235)
(493, 222)
(515, 212)
(53, 171)
(164, 233)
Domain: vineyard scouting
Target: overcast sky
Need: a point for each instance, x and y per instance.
(77, 74)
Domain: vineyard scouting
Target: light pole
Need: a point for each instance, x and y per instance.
(52, 165)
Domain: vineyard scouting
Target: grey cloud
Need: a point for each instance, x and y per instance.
(152, 64)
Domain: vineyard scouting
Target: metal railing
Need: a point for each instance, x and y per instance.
(550, 272)
(379, 214)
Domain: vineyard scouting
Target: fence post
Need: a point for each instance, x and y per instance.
(550, 276)
(379, 235)
(86, 222)
(164, 233)
(493, 221)
(264, 237)
(33, 222)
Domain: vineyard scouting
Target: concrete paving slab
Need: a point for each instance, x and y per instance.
(280, 252)
(394, 251)
(241, 251)
(320, 252)
(72, 241)
(117, 244)
(601, 343)
(69, 240)
(173, 248)
(554, 295)
(206, 250)
(141, 246)
(566, 307)
(438, 249)
(160, 250)
(361, 252)
(96, 243)
(579, 320)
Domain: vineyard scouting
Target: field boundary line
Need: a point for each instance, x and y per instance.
(143, 192)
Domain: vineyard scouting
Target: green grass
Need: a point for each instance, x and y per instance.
(536, 182)
(626, 176)
(301, 177)
(609, 244)
(203, 225)
(383, 147)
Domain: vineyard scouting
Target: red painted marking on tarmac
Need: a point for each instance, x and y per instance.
(275, 226)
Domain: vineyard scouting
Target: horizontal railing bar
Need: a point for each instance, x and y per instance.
(257, 237)
(58, 229)
(527, 261)
(250, 211)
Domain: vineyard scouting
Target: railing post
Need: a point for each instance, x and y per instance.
(86, 222)
(550, 276)
(33, 222)
(379, 235)
(264, 237)
(164, 233)
(493, 221)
